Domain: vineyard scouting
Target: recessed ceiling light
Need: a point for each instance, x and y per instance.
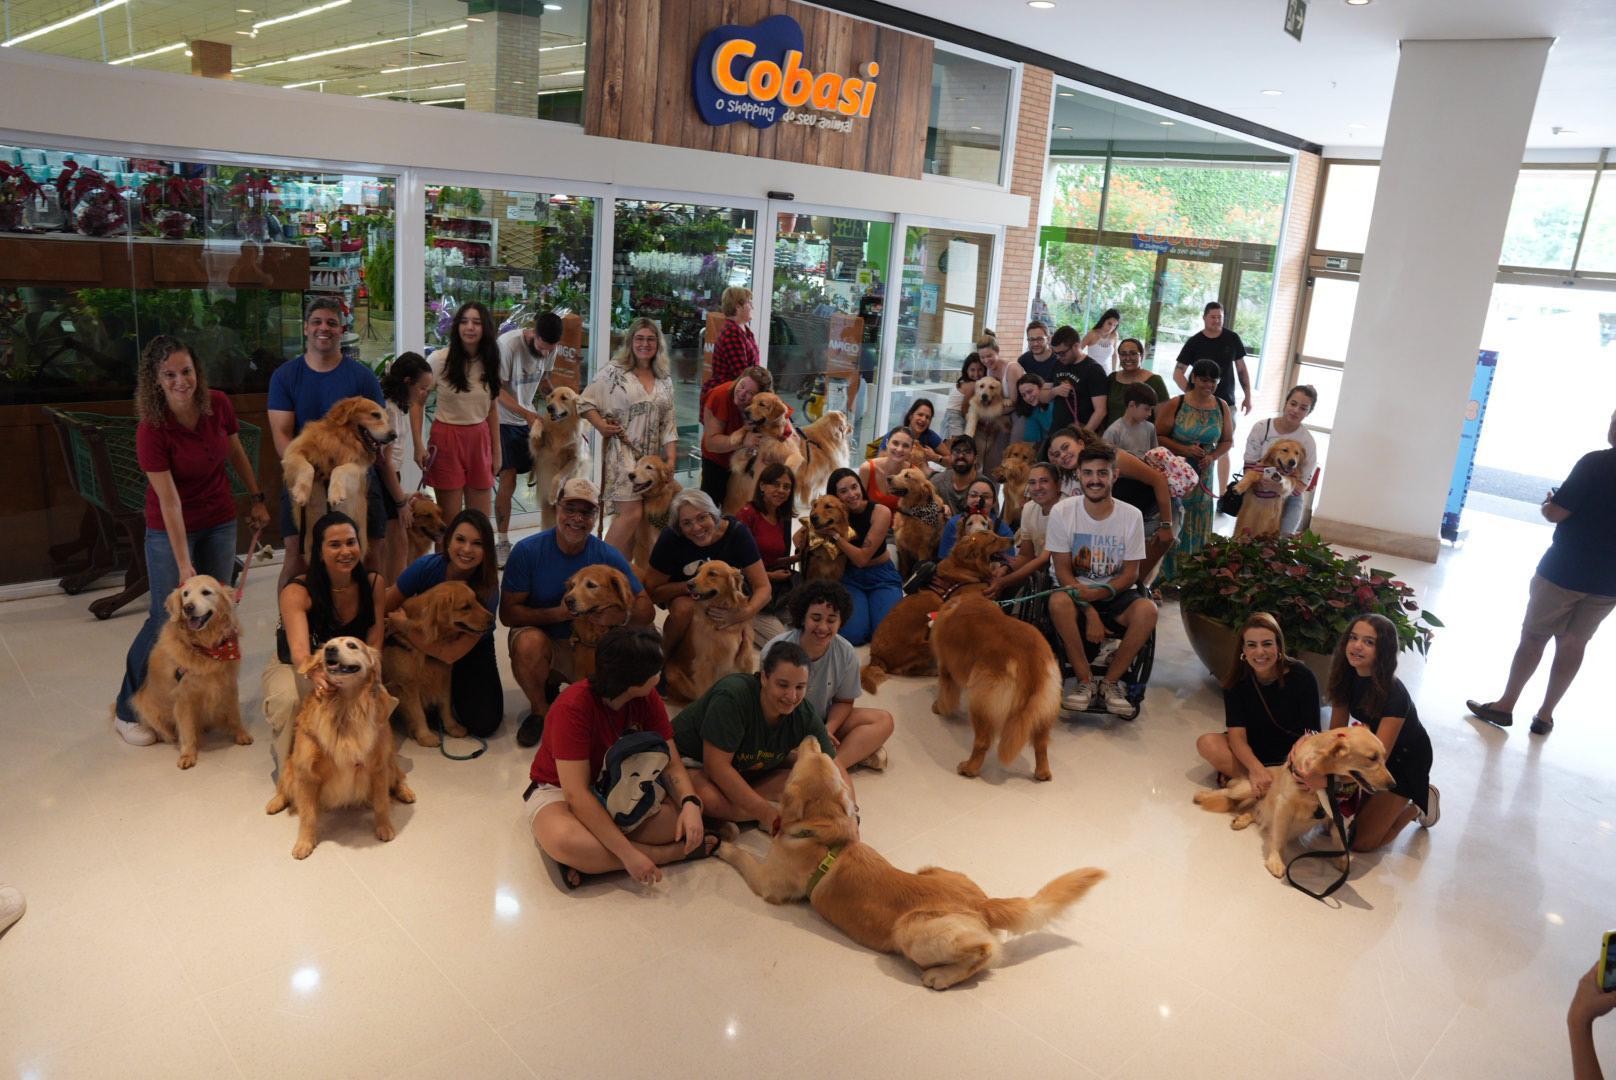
(1558, 130)
(473, 18)
(1357, 3)
(1067, 93)
(976, 127)
(1064, 127)
(1272, 93)
(1165, 123)
(552, 7)
(247, 33)
(518, 82)
(244, 11)
(1041, 5)
(187, 52)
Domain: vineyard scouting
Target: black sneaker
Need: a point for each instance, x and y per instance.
(531, 731)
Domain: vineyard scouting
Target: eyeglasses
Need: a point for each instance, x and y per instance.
(578, 510)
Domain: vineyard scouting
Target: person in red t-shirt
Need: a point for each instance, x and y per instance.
(569, 820)
(723, 427)
(186, 435)
(736, 349)
(770, 518)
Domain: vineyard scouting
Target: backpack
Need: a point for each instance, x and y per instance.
(628, 782)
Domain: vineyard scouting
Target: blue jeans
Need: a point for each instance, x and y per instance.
(213, 552)
(875, 590)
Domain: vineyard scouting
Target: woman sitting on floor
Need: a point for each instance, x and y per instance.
(1270, 700)
(698, 532)
(871, 579)
(769, 518)
(981, 498)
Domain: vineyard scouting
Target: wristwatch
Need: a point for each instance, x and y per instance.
(258, 496)
(691, 799)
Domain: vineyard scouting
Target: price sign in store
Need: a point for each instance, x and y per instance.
(1295, 17)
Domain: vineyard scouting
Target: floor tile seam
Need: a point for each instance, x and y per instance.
(1387, 1012)
(5, 639)
(255, 973)
(1036, 1036)
(1420, 1069)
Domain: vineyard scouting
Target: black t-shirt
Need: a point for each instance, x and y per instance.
(1292, 711)
(1224, 350)
(1581, 557)
(1044, 369)
(1088, 380)
(1410, 760)
(1135, 493)
(680, 559)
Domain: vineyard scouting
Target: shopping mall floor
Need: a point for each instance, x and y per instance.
(170, 934)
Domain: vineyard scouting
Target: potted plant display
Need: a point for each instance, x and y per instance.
(172, 204)
(91, 204)
(1314, 592)
(249, 198)
(17, 190)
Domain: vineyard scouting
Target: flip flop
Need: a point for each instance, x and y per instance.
(1541, 726)
(1496, 717)
(702, 850)
(571, 878)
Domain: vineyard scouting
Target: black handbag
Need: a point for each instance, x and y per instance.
(1229, 502)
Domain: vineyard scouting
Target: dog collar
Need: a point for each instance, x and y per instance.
(822, 869)
(228, 649)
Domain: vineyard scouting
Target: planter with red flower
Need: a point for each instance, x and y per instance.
(249, 198)
(172, 205)
(91, 204)
(17, 192)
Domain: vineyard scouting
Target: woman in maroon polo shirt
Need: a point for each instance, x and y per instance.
(187, 434)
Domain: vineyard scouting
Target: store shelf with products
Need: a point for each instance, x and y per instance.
(475, 238)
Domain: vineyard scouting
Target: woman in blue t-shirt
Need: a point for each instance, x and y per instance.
(982, 499)
(475, 694)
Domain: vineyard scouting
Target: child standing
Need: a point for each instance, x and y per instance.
(1135, 430)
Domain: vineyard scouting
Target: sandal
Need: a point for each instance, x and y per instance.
(571, 878)
(1493, 715)
(1541, 726)
(704, 851)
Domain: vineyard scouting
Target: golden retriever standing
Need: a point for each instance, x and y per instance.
(822, 559)
(599, 598)
(1012, 475)
(1287, 810)
(421, 681)
(824, 450)
(901, 643)
(987, 415)
(191, 676)
(339, 449)
(921, 517)
(426, 525)
(1266, 488)
(559, 450)
(708, 653)
(343, 752)
(766, 415)
(653, 482)
(1008, 672)
(940, 919)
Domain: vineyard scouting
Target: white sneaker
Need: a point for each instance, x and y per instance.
(876, 762)
(502, 551)
(12, 905)
(1102, 659)
(1079, 697)
(134, 732)
(1433, 800)
(1116, 700)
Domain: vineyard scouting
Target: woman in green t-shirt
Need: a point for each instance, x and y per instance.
(741, 733)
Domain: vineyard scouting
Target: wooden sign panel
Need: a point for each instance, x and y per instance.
(641, 85)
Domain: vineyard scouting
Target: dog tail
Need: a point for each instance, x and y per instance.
(1024, 914)
(1031, 711)
(872, 675)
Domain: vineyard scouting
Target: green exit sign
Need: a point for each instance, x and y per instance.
(1295, 17)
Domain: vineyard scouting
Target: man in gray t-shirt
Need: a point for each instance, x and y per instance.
(525, 359)
(956, 480)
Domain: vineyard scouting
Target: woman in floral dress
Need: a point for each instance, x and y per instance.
(631, 404)
(1198, 428)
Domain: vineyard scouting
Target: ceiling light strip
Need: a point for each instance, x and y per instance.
(59, 24)
(149, 53)
(305, 13)
(413, 90)
(347, 48)
(419, 67)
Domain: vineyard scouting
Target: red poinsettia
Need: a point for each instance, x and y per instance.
(90, 202)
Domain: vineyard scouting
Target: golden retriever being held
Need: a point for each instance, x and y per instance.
(826, 520)
(343, 752)
(1008, 673)
(709, 652)
(191, 677)
(1012, 475)
(418, 679)
(1267, 487)
(920, 519)
(559, 452)
(767, 416)
(599, 598)
(824, 451)
(1287, 810)
(338, 449)
(940, 919)
(987, 415)
(426, 525)
(652, 480)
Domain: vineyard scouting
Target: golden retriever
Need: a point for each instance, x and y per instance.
(1012, 475)
(921, 517)
(824, 450)
(940, 919)
(191, 676)
(339, 449)
(826, 519)
(1009, 673)
(599, 598)
(766, 415)
(1287, 810)
(559, 451)
(342, 754)
(900, 645)
(1266, 488)
(420, 681)
(707, 653)
(987, 414)
(652, 480)
(426, 525)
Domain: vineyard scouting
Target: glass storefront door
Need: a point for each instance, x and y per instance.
(1185, 287)
(825, 309)
(942, 310)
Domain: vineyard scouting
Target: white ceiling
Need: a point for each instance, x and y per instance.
(1224, 53)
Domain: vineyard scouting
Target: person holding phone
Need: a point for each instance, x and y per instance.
(1595, 996)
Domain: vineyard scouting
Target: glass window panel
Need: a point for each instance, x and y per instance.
(1251, 311)
(1076, 201)
(1599, 246)
(934, 334)
(1546, 217)
(965, 132)
(1349, 199)
(1187, 287)
(671, 263)
(1329, 318)
(1327, 381)
(825, 315)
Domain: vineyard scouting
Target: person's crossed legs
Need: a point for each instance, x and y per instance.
(569, 842)
(715, 804)
(863, 736)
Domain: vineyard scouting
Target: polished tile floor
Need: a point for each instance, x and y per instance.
(170, 934)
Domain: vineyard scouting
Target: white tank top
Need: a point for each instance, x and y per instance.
(1102, 351)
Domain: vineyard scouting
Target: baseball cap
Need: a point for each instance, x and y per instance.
(580, 490)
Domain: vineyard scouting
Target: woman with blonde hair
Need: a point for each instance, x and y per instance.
(1270, 700)
(631, 404)
(736, 349)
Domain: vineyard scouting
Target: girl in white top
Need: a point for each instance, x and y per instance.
(1100, 343)
(1299, 404)
(631, 401)
(407, 383)
(465, 431)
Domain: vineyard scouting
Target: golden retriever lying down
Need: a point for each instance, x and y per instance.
(342, 754)
(1008, 672)
(418, 680)
(1266, 488)
(708, 653)
(191, 677)
(338, 448)
(940, 919)
(1286, 812)
(901, 645)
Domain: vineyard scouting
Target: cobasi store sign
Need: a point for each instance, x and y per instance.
(757, 74)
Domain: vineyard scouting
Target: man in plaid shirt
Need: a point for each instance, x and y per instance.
(736, 348)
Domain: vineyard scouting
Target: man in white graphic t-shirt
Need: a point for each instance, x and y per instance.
(1097, 544)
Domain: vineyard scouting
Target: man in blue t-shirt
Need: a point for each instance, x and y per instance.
(531, 597)
(1573, 590)
(304, 389)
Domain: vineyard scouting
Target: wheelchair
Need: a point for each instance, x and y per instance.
(1034, 610)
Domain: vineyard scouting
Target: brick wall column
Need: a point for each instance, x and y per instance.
(1290, 279)
(1027, 178)
(502, 64)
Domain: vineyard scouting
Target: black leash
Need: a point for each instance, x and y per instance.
(1330, 793)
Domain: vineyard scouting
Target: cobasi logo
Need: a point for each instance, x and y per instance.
(756, 74)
